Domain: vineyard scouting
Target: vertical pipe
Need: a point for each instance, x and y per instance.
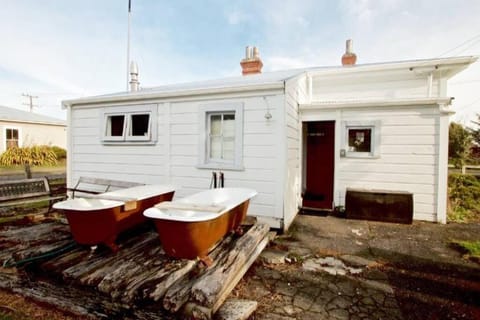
(214, 179)
(222, 180)
(429, 84)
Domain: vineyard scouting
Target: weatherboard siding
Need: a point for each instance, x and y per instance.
(90, 157)
(372, 85)
(174, 158)
(407, 160)
(295, 91)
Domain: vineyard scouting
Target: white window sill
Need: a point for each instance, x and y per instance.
(220, 166)
(106, 142)
(362, 155)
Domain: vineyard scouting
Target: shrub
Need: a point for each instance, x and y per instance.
(463, 193)
(59, 152)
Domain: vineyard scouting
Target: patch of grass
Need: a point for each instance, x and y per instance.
(59, 167)
(472, 248)
(463, 195)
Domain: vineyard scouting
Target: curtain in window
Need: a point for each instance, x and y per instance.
(222, 136)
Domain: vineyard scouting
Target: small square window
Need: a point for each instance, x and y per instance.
(132, 124)
(361, 139)
(115, 126)
(139, 125)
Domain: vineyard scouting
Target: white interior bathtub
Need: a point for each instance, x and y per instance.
(202, 206)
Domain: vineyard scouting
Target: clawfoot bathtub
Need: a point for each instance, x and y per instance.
(100, 218)
(189, 227)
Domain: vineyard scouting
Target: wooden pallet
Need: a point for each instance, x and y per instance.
(139, 282)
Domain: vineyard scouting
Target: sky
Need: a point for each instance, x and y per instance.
(58, 49)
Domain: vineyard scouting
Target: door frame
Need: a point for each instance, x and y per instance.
(328, 116)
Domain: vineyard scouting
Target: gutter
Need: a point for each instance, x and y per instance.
(411, 65)
(146, 95)
(325, 105)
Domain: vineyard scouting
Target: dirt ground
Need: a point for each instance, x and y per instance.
(411, 272)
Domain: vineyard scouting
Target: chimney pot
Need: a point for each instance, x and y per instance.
(349, 58)
(134, 84)
(256, 53)
(252, 64)
(248, 52)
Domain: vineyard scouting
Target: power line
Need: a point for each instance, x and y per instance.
(463, 43)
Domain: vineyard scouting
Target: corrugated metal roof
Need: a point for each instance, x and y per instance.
(12, 114)
(259, 80)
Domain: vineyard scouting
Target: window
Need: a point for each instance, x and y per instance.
(12, 138)
(130, 126)
(221, 142)
(221, 136)
(362, 139)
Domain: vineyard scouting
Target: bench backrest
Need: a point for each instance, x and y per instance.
(103, 185)
(25, 188)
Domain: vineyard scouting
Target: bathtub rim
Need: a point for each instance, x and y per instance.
(198, 215)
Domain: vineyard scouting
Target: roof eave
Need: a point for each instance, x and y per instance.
(146, 95)
(453, 66)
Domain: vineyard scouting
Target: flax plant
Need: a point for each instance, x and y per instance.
(28, 157)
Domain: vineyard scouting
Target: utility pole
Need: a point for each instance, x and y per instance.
(30, 101)
(128, 40)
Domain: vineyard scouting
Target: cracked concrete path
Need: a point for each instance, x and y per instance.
(331, 268)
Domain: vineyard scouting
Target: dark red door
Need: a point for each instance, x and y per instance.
(320, 163)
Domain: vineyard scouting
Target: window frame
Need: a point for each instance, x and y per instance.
(205, 112)
(128, 112)
(19, 140)
(374, 126)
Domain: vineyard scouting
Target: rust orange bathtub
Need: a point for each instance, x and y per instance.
(99, 219)
(189, 227)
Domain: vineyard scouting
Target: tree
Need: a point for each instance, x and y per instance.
(476, 132)
(475, 152)
(28, 157)
(459, 144)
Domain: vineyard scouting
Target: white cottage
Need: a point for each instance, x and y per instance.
(21, 128)
(299, 137)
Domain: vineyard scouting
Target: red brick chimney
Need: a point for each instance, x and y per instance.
(251, 64)
(349, 58)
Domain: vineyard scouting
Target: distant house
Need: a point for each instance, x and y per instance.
(299, 137)
(21, 128)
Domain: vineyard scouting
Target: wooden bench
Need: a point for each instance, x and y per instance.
(19, 192)
(90, 185)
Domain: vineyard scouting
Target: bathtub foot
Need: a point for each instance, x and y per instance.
(239, 231)
(206, 260)
(112, 246)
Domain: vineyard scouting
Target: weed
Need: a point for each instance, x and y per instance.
(463, 192)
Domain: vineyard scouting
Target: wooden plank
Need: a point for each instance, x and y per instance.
(179, 293)
(98, 265)
(160, 281)
(236, 309)
(214, 300)
(210, 289)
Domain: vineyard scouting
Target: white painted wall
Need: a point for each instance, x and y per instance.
(408, 157)
(295, 92)
(35, 134)
(174, 158)
(372, 85)
(410, 135)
